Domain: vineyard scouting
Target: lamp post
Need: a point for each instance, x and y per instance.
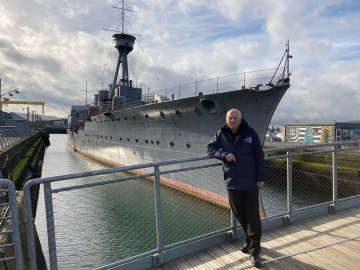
(8, 93)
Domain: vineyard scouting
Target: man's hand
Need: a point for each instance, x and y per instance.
(260, 184)
(230, 157)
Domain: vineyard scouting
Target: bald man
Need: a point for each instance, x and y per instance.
(240, 149)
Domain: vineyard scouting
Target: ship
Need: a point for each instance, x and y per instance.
(125, 126)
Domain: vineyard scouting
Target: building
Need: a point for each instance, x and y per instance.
(11, 120)
(326, 132)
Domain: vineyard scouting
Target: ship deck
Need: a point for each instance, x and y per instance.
(289, 247)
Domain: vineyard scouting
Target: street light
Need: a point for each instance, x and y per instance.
(9, 93)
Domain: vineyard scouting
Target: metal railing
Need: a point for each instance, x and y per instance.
(307, 180)
(10, 136)
(10, 189)
(257, 80)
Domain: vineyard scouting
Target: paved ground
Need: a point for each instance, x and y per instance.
(282, 241)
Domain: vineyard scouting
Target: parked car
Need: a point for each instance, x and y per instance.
(273, 138)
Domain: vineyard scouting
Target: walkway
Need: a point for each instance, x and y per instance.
(287, 240)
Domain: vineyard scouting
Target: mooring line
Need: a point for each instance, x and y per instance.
(301, 252)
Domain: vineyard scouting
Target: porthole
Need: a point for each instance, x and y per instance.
(112, 120)
(105, 137)
(125, 118)
(120, 139)
(172, 144)
(178, 113)
(188, 145)
(101, 136)
(110, 138)
(157, 142)
(128, 140)
(146, 116)
(162, 114)
(136, 140)
(134, 117)
(146, 141)
(118, 119)
(152, 142)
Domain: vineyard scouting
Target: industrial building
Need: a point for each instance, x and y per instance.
(323, 132)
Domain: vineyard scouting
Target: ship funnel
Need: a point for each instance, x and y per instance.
(124, 43)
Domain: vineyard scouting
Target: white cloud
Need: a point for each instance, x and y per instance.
(49, 49)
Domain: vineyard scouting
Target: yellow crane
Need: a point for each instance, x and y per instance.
(23, 103)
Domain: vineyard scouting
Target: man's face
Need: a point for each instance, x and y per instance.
(233, 119)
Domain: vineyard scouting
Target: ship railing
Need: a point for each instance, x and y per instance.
(304, 181)
(256, 80)
(9, 137)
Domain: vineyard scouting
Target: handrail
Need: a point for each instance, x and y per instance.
(159, 252)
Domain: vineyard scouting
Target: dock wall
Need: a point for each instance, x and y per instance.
(20, 163)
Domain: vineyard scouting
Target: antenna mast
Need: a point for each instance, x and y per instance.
(122, 17)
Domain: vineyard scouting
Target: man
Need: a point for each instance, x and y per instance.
(239, 147)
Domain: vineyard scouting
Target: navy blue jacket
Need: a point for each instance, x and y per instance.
(249, 166)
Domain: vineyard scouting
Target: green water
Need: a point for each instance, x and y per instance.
(101, 225)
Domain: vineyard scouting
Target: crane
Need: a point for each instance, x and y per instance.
(24, 103)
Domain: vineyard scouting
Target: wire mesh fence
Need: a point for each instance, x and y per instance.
(10, 136)
(198, 199)
(119, 218)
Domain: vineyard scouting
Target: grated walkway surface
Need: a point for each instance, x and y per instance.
(286, 240)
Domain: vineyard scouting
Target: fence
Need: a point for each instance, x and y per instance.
(157, 220)
(10, 136)
(258, 80)
(8, 187)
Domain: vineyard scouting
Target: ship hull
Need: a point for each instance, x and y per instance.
(173, 130)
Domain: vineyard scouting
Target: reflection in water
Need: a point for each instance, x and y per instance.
(100, 225)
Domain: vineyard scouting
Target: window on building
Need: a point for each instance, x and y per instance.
(309, 131)
(291, 131)
(315, 131)
(345, 132)
(352, 133)
(297, 131)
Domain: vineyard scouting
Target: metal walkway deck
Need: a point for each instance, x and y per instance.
(286, 240)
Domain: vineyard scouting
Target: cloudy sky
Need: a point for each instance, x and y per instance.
(49, 48)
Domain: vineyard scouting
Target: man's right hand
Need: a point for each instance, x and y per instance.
(230, 157)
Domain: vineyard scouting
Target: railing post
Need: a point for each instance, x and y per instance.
(287, 219)
(30, 228)
(232, 234)
(244, 79)
(15, 224)
(158, 259)
(333, 207)
(50, 226)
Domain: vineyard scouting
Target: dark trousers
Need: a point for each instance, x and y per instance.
(245, 205)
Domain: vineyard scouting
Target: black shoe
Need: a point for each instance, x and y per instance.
(245, 248)
(256, 261)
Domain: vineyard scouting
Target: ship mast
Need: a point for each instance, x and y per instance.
(122, 17)
(124, 43)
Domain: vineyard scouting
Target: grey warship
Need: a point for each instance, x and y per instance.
(124, 126)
